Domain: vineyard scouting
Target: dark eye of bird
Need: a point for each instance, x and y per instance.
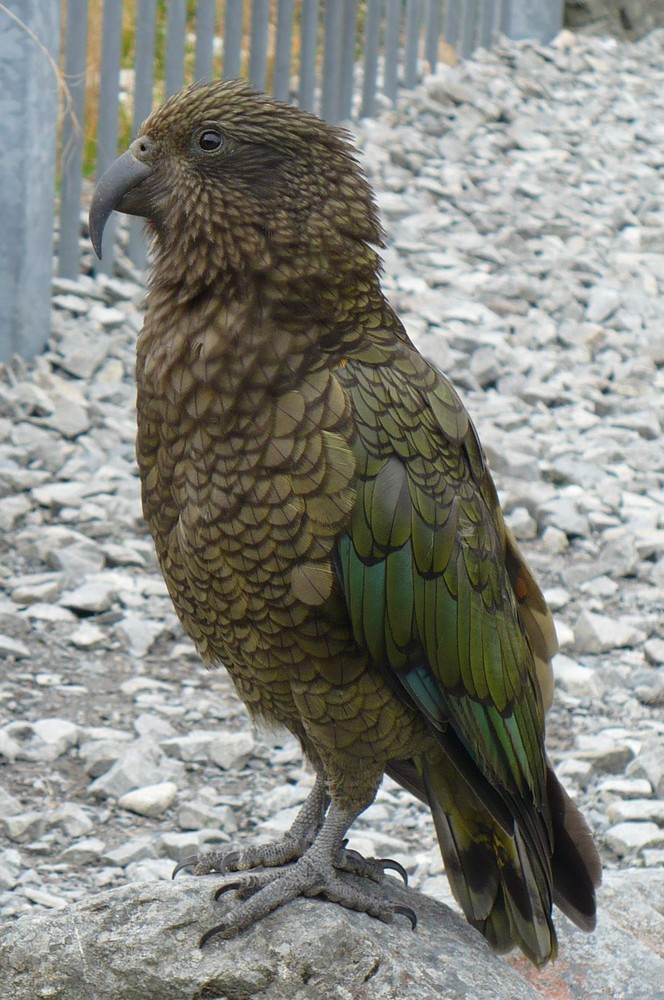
(210, 140)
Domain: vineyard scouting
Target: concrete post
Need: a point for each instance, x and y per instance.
(29, 32)
(537, 19)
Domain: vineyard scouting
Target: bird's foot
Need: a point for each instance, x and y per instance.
(278, 853)
(271, 855)
(264, 890)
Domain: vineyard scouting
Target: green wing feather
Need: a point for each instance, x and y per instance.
(430, 546)
(438, 593)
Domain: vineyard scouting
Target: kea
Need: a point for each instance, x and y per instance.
(328, 528)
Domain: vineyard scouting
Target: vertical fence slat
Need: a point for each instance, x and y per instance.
(412, 42)
(347, 80)
(504, 17)
(391, 49)
(107, 127)
(260, 28)
(485, 23)
(308, 48)
(469, 29)
(144, 48)
(72, 139)
(452, 23)
(203, 66)
(332, 28)
(371, 47)
(233, 22)
(432, 34)
(282, 50)
(175, 45)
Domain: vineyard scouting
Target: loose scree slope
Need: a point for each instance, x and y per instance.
(327, 526)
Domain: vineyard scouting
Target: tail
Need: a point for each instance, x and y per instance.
(507, 870)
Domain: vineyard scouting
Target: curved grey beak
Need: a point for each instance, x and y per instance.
(111, 192)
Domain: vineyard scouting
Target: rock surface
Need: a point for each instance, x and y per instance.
(141, 941)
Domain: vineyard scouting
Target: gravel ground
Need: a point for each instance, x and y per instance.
(523, 195)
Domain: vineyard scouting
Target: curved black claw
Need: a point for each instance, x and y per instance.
(185, 863)
(384, 863)
(228, 887)
(389, 863)
(210, 934)
(406, 911)
(228, 859)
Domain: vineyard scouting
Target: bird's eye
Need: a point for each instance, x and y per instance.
(210, 140)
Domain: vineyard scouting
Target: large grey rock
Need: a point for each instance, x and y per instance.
(141, 941)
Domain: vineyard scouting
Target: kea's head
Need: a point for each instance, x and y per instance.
(231, 180)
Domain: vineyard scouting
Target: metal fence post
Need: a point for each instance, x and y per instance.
(108, 125)
(534, 19)
(29, 36)
(72, 140)
(144, 46)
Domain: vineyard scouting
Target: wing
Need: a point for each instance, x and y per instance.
(434, 585)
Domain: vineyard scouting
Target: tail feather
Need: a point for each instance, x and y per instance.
(577, 870)
(498, 880)
(506, 879)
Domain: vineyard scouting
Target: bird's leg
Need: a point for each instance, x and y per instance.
(316, 873)
(275, 853)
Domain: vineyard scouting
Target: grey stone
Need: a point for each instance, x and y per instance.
(523, 526)
(654, 651)
(10, 868)
(88, 636)
(100, 754)
(83, 852)
(73, 819)
(636, 810)
(602, 303)
(12, 510)
(149, 800)
(649, 764)
(41, 897)
(575, 678)
(13, 647)
(606, 753)
(598, 633)
(139, 632)
(197, 814)
(141, 763)
(9, 804)
(130, 852)
(35, 588)
(225, 749)
(150, 870)
(44, 740)
(631, 837)
(23, 827)
(626, 788)
(78, 559)
(92, 597)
